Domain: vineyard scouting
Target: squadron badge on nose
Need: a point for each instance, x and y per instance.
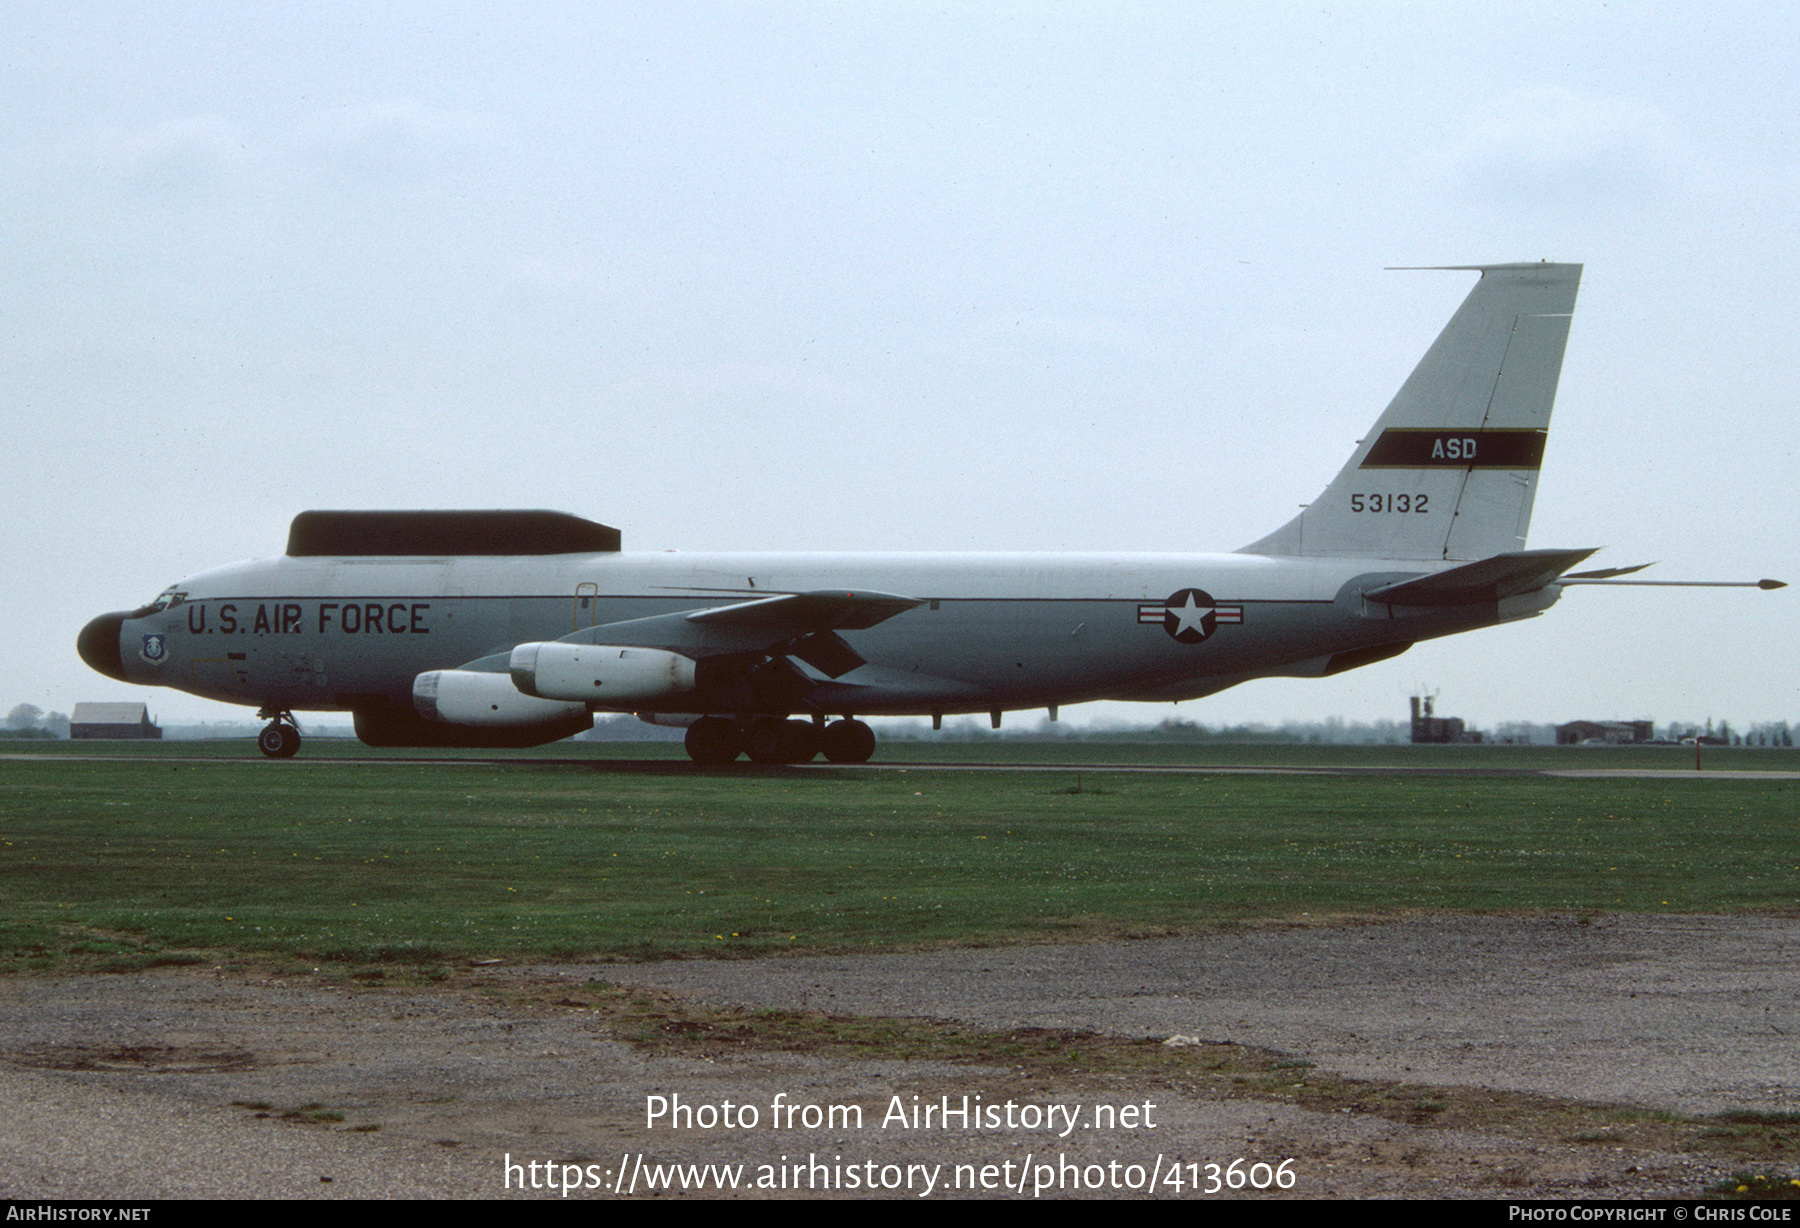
(1189, 615)
(153, 650)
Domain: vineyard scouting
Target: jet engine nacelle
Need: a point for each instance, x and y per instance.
(604, 674)
(470, 697)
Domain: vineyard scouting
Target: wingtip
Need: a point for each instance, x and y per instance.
(1771, 584)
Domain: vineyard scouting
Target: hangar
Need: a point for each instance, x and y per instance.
(1612, 733)
(113, 721)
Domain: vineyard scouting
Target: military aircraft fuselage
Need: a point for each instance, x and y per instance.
(989, 631)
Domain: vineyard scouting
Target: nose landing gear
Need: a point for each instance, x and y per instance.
(280, 738)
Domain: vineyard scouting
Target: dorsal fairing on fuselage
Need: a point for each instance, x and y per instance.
(1449, 471)
(460, 533)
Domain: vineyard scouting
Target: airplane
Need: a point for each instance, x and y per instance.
(512, 628)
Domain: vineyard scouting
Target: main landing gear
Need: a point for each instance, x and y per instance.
(718, 739)
(280, 738)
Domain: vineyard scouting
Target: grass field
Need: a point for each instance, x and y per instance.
(1048, 752)
(162, 857)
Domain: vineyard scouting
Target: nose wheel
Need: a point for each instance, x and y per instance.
(280, 738)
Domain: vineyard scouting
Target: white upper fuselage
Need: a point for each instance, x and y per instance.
(949, 574)
(991, 631)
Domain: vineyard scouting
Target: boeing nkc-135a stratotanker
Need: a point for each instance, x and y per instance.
(512, 628)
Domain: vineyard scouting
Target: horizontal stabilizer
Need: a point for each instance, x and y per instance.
(1606, 573)
(1609, 575)
(1504, 575)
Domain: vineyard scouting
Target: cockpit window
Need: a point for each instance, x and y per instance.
(166, 601)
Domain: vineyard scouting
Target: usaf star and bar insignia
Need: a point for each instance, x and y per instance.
(1189, 615)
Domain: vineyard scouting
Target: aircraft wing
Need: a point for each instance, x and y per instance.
(801, 625)
(1490, 579)
(788, 613)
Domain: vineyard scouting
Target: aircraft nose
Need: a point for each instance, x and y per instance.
(98, 645)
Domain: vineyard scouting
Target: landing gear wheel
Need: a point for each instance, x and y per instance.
(714, 740)
(800, 741)
(278, 740)
(766, 740)
(848, 742)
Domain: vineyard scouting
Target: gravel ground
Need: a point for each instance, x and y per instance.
(1695, 1014)
(174, 1083)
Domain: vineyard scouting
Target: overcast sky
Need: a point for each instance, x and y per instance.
(897, 277)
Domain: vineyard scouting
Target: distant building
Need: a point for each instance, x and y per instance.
(112, 721)
(1427, 728)
(1611, 733)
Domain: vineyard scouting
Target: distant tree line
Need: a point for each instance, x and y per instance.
(31, 721)
(1771, 733)
(1334, 731)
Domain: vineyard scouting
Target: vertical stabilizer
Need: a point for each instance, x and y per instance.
(1450, 470)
